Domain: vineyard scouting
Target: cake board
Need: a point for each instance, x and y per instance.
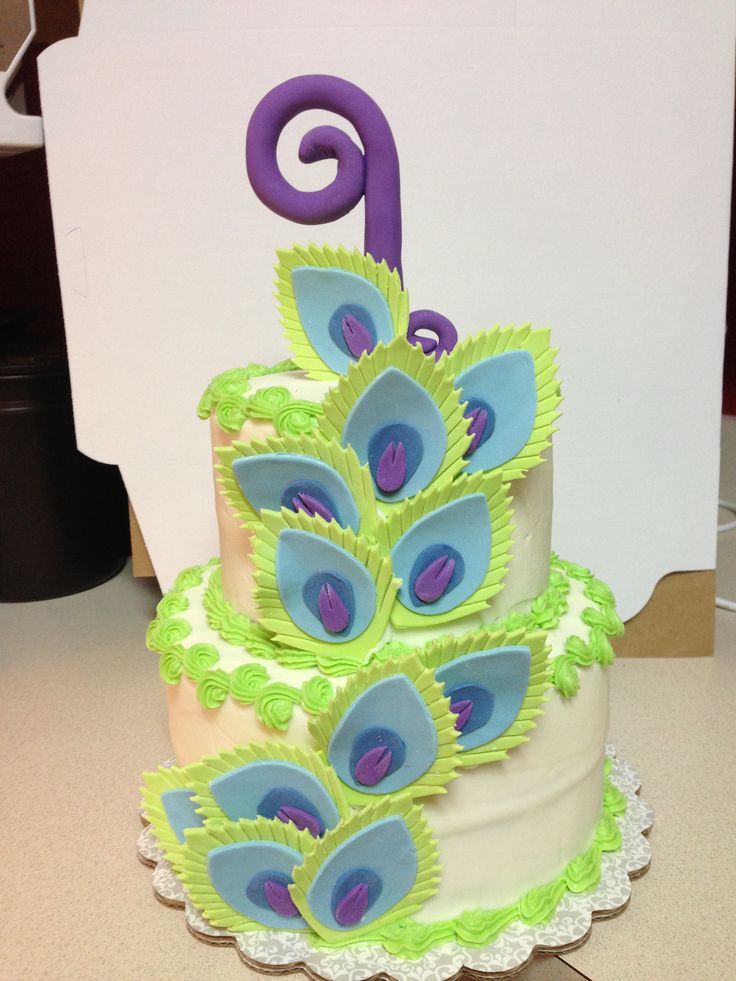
(278, 953)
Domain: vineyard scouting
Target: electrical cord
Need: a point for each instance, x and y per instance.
(721, 602)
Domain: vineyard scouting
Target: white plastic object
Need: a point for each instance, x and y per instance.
(18, 132)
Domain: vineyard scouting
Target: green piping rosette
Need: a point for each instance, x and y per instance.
(211, 767)
(433, 377)
(155, 784)
(343, 461)
(379, 275)
(425, 885)
(402, 517)
(444, 650)
(602, 621)
(226, 393)
(274, 615)
(447, 759)
(497, 341)
(194, 870)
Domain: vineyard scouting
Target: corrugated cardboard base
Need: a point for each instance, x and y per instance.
(142, 565)
(678, 621)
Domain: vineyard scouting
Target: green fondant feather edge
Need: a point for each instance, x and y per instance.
(404, 516)
(447, 649)
(274, 615)
(155, 784)
(497, 341)
(447, 760)
(343, 460)
(194, 872)
(425, 885)
(386, 281)
(211, 767)
(410, 359)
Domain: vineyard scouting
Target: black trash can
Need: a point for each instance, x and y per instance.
(63, 517)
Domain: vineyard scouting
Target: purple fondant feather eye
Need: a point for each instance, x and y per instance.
(311, 506)
(333, 613)
(373, 766)
(351, 908)
(433, 581)
(463, 709)
(278, 898)
(357, 336)
(478, 419)
(301, 819)
(391, 470)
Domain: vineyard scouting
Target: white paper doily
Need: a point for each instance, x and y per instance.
(275, 952)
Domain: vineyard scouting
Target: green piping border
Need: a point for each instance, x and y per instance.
(274, 702)
(247, 685)
(604, 622)
(477, 928)
(226, 397)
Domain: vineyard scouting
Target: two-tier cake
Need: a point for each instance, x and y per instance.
(388, 702)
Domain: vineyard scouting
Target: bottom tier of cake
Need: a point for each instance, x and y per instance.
(508, 836)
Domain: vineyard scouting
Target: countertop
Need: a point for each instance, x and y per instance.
(84, 714)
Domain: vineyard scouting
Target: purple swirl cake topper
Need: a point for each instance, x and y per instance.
(372, 172)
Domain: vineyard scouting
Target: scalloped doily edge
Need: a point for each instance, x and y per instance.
(509, 955)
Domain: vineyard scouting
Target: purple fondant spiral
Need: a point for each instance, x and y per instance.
(373, 173)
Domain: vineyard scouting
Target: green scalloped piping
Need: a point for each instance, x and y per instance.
(447, 759)
(246, 681)
(403, 516)
(275, 705)
(343, 460)
(201, 774)
(478, 928)
(433, 377)
(604, 622)
(290, 416)
(168, 631)
(492, 342)
(446, 649)
(386, 281)
(247, 684)
(229, 389)
(201, 841)
(317, 693)
(425, 884)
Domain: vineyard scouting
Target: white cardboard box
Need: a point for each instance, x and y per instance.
(563, 163)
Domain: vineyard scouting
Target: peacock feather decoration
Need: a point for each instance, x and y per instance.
(394, 514)
(333, 840)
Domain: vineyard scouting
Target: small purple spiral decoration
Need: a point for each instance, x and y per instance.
(373, 172)
(439, 325)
